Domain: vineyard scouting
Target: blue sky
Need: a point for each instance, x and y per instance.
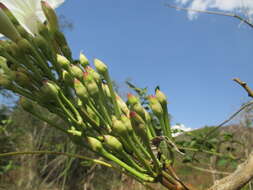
(192, 61)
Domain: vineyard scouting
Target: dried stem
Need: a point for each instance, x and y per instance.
(213, 13)
(245, 86)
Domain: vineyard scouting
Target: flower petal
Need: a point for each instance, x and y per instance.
(55, 3)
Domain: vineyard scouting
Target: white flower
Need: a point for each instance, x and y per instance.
(29, 12)
(180, 127)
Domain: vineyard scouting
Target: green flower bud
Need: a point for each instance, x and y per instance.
(90, 84)
(93, 73)
(50, 89)
(23, 32)
(26, 104)
(63, 61)
(81, 90)
(62, 42)
(147, 116)
(42, 29)
(140, 130)
(95, 144)
(136, 119)
(25, 46)
(67, 78)
(23, 80)
(106, 90)
(13, 49)
(113, 143)
(161, 97)
(5, 82)
(83, 60)
(119, 127)
(50, 15)
(92, 114)
(74, 132)
(100, 66)
(131, 99)
(139, 109)
(92, 88)
(9, 14)
(76, 71)
(7, 28)
(40, 41)
(122, 105)
(155, 106)
(127, 123)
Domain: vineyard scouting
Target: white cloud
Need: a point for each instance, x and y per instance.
(236, 6)
(180, 127)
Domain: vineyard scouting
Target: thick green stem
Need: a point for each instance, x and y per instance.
(139, 155)
(167, 121)
(138, 174)
(132, 162)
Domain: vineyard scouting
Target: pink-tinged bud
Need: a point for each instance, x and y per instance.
(113, 143)
(63, 61)
(7, 28)
(76, 71)
(26, 104)
(50, 15)
(139, 110)
(93, 73)
(87, 77)
(95, 144)
(100, 66)
(81, 90)
(119, 127)
(155, 106)
(83, 60)
(135, 119)
(50, 89)
(161, 97)
(132, 99)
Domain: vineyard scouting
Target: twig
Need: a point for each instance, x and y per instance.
(207, 170)
(230, 118)
(213, 13)
(57, 153)
(245, 86)
(173, 145)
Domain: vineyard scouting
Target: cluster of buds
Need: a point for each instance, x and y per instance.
(41, 69)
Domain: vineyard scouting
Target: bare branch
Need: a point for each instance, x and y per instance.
(245, 86)
(207, 170)
(230, 118)
(242, 175)
(213, 13)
